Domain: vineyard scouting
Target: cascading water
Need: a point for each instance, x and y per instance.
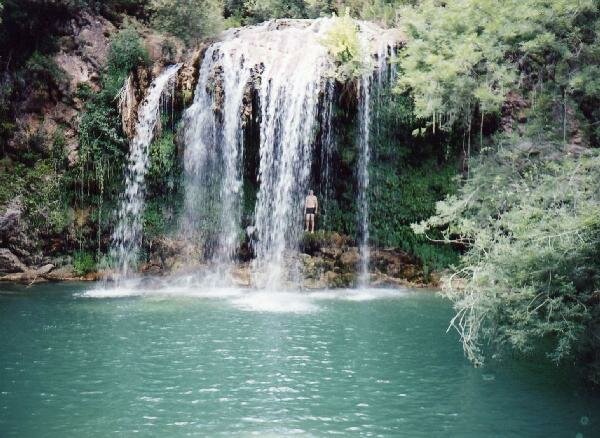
(364, 117)
(327, 146)
(128, 232)
(276, 74)
(213, 157)
(384, 73)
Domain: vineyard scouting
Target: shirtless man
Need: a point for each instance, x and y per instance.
(311, 207)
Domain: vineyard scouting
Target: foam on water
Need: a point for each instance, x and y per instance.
(252, 300)
(280, 302)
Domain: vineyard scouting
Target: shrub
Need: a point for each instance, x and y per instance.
(42, 69)
(190, 20)
(83, 262)
(343, 43)
(163, 163)
(126, 52)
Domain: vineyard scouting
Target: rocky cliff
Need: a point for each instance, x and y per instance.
(51, 108)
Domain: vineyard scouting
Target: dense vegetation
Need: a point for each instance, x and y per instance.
(527, 214)
(496, 110)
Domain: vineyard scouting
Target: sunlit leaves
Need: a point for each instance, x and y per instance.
(343, 43)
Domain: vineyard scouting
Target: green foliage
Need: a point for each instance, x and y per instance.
(40, 191)
(463, 55)
(190, 20)
(162, 173)
(58, 151)
(343, 44)
(42, 69)
(531, 275)
(154, 221)
(126, 52)
(401, 195)
(83, 262)
(256, 11)
(408, 176)
(102, 143)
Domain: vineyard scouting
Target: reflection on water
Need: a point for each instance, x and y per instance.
(177, 360)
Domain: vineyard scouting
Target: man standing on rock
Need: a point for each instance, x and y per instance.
(311, 207)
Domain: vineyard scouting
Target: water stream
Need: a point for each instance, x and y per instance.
(128, 232)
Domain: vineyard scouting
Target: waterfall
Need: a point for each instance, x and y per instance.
(277, 75)
(364, 119)
(127, 236)
(327, 147)
(213, 154)
(260, 61)
(383, 74)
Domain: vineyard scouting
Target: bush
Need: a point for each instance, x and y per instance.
(190, 20)
(42, 70)
(126, 52)
(102, 142)
(162, 172)
(344, 45)
(83, 262)
(463, 57)
(256, 11)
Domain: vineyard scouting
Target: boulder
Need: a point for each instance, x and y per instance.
(10, 263)
(24, 277)
(350, 257)
(241, 276)
(331, 252)
(66, 272)
(9, 219)
(44, 269)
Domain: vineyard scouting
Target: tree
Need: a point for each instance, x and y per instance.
(464, 56)
(191, 20)
(530, 278)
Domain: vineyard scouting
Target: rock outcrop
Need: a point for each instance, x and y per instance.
(9, 220)
(10, 263)
(332, 260)
(82, 55)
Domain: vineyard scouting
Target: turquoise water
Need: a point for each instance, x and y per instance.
(187, 362)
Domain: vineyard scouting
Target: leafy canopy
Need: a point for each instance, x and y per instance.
(465, 55)
(190, 20)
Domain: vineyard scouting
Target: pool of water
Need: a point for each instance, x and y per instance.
(77, 360)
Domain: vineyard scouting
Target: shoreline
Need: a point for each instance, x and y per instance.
(27, 279)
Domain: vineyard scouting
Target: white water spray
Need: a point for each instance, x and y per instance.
(128, 232)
